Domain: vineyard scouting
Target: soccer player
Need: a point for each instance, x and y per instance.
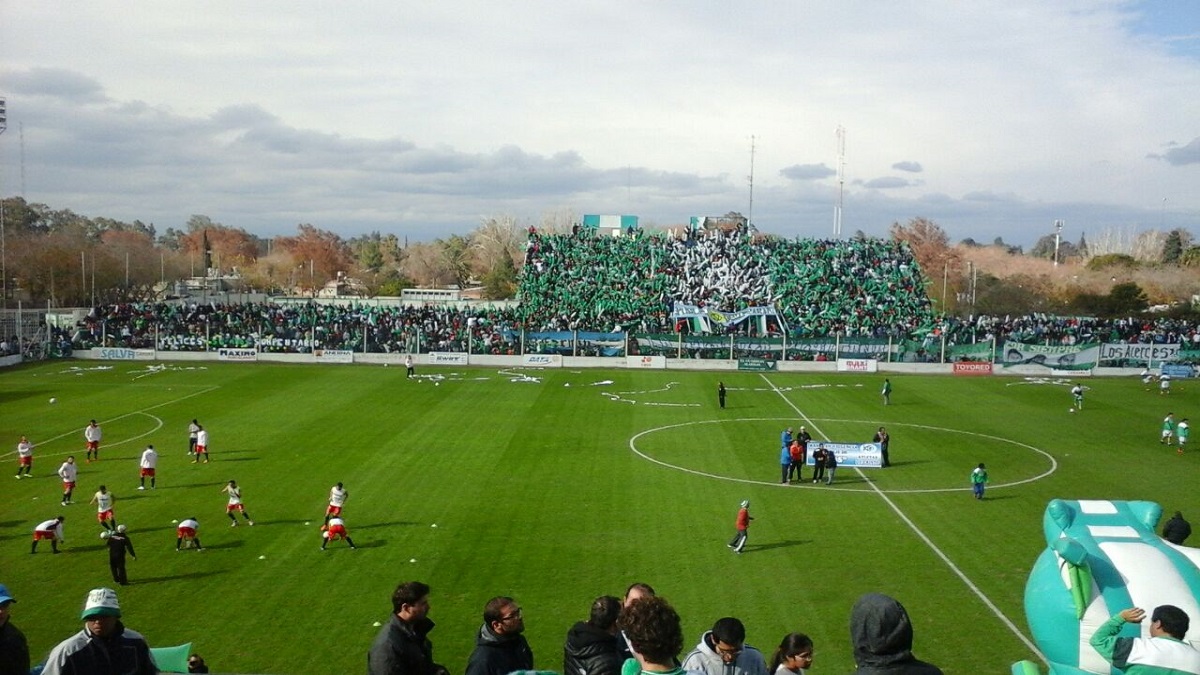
(1077, 395)
(979, 479)
(103, 499)
(408, 365)
(1181, 434)
(337, 499)
(68, 472)
(886, 392)
(193, 430)
(52, 530)
(1164, 384)
(188, 532)
(743, 524)
(201, 444)
(1168, 429)
(334, 529)
(92, 434)
(235, 501)
(24, 458)
(148, 463)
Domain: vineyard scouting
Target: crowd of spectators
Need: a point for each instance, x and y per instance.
(855, 289)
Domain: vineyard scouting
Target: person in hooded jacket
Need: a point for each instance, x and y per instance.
(723, 651)
(882, 635)
(593, 647)
(500, 648)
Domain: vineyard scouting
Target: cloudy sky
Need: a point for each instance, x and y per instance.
(993, 118)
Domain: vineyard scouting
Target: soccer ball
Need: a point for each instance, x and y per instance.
(53, 400)
(1070, 410)
(104, 534)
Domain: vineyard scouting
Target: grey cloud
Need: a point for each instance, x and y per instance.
(989, 196)
(1188, 154)
(57, 83)
(806, 172)
(911, 167)
(887, 183)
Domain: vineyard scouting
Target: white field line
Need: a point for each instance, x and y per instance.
(932, 546)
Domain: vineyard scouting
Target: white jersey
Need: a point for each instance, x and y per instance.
(92, 433)
(68, 471)
(54, 526)
(193, 429)
(337, 497)
(104, 501)
(235, 495)
(336, 521)
(190, 522)
(25, 449)
(202, 437)
(149, 458)
(1164, 382)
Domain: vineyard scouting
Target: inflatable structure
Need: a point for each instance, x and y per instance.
(1102, 557)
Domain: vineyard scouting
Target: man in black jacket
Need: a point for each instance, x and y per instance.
(104, 645)
(14, 649)
(500, 648)
(402, 646)
(592, 646)
(1177, 530)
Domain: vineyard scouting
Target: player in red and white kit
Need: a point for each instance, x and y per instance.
(104, 508)
(337, 499)
(52, 530)
(335, 529)
(24, 458)
(188, 531)
(201, 445)
(68, 472)
(235, 501)
(148, 463)
(92, 434)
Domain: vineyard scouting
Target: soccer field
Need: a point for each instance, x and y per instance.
(555, 486)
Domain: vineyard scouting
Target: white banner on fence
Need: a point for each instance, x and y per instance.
(235, 354)
(542, 360)
(1109, 352)
(868, 455)
(857, 366)
(447, 358)
(124, 354)
(333, 356)
(659, 362)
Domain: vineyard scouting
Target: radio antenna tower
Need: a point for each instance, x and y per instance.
(841, 176)
(750, 211)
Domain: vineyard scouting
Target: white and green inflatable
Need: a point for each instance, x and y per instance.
(1102, 557)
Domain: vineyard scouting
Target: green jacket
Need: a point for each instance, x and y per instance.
(1145, 656)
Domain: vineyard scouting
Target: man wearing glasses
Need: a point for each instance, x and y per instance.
(500, 647)
(723, 651)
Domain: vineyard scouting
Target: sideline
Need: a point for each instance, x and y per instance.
(932, 546)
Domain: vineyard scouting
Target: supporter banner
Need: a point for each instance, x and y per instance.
(1079, 357)
(860, 455)
(447, 358)
(123, 354)
(646, 361)
(682, 310)
(333, 356)
(542, 360)
(1113, 352)
(756, 364)
(972, 368)
(1176, 370)
(232, 354)
(857, 366)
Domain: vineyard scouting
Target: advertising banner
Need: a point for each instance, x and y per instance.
(857, 366)
(658, 362)
(333, 356)
(124, 354)
(1178, 370)
(542, 360)
(859, 455)
(236, 354)
(972, 368)
(758, 365)
(447, 358)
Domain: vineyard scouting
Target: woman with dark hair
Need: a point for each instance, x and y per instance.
(793, 655)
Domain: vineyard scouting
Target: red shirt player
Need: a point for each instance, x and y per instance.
(335, 529)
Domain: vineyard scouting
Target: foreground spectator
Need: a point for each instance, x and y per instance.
(1177, 530)
(593, 646)
(14, 650)
(104, 645)
(882, 636)
(1163, 652)
(500, 648)
(402, 646)
(655, 635)
(723, 651)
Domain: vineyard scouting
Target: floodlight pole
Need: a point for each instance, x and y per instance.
(1058, 226)
(3, 247)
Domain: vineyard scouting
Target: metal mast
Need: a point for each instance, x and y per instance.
(841, 176)
(750, 211)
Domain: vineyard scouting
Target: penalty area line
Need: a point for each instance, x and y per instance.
(925, 538)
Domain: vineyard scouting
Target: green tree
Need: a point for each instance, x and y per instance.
(1174, 245)
(501, 282)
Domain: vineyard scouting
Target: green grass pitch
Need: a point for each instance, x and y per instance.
(554, 487)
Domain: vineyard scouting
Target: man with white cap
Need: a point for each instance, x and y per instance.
(14, 649)
(118, 545)
(743, 524)
(104, 645)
